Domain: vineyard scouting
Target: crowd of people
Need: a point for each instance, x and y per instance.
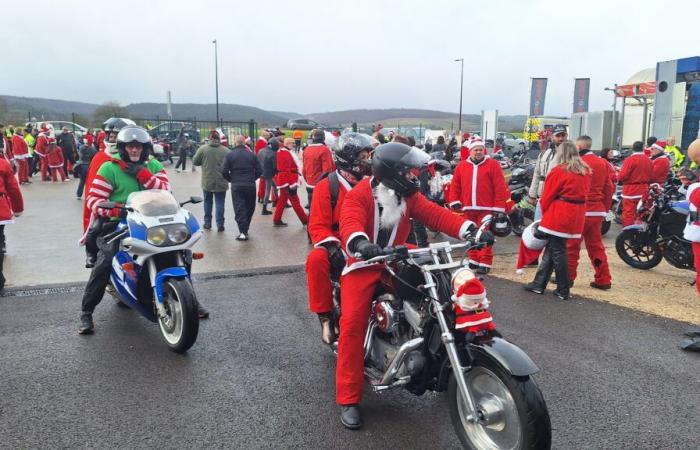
(364, 193)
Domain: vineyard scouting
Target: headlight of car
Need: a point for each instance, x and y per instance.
(166, 235)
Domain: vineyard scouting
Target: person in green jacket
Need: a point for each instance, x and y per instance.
(211, 157)
(676, 155)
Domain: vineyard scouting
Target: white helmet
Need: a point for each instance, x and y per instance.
(529, 238)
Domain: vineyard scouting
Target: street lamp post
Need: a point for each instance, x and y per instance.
(216, 75)
(461, 88)
(616, 144)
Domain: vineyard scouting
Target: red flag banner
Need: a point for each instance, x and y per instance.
(537, 95)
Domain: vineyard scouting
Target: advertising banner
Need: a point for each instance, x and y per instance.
(581, 91)
(537, 94)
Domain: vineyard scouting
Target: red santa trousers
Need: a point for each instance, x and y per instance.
(356, 290)
(595, 249)
(23, 170)
(294, 200)
(261, 189)
(483, 257)
(629, 211)
(318, 281)
(55, 171)
(44, 168)
(696, 256)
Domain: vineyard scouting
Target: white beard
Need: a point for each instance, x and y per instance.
(392, 209)
(111, 148)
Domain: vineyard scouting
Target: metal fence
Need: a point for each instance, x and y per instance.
(198, 129)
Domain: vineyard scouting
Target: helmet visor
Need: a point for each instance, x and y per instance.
(133, 134)
(415, 158)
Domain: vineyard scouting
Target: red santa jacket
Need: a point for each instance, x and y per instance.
(324, 221)
(97, 161)
(7, 148)
(100, 139)
(563, 203)
(463, 153)
(317, 161)
(660, 167)
(287, 170)
(635, 175)
(20, 149)
(10, 195)
(55, 156)
(42, 143)
(599, 199)
(260, 144)
(89, 139)
(360, 218)
(480, 187)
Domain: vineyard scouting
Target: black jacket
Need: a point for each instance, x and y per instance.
(241, 167)
(268, 161)
(66, 142)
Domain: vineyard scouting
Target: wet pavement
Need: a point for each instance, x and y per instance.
(259, 377)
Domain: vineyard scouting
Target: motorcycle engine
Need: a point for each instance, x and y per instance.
(678, 254)
(387, 313)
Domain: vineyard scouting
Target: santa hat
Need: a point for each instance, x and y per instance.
(50, 140)
(659, 145)
(472, 307)
(530, 247)
(476, 142)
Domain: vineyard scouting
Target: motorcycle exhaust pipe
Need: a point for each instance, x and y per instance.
(399, 358)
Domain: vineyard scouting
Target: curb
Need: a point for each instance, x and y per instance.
(67, 288)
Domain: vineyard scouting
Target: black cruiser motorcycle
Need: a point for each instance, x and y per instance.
(412, 343)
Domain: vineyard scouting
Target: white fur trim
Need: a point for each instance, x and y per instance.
(465, 226)
(596, 214)
(483, 208)
(328, 239)
(474, 323)
(353, 236)
(559, 233)
(632, 197)
(456, 202)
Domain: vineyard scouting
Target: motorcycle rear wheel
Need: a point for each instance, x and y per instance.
(524, 217)
(512, 411)
(638, 250)
(181, 325)
(605, 227)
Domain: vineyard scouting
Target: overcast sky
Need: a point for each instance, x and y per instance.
(326, 55)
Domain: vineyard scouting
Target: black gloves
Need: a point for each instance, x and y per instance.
(367, 249)
(292, 191)
(487, 238)
(336, 258)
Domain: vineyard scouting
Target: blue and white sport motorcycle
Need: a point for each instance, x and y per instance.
(151, 270)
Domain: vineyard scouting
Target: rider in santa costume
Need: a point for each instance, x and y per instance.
(327, 259)
(287, 181)
(376, 214)
(660, 164)
(478, 188)
(598, 203)
(634, 176)
(20, 149)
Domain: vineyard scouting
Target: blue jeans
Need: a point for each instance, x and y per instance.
(538, 211)
(82, 170)
(220, 199)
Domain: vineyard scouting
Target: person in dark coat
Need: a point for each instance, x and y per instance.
(241, 168)
(66, 140)
(268, 161)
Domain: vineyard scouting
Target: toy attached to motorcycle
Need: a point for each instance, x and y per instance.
(151, 271)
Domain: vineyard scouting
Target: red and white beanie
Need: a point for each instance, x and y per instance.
(471, 307)
(476, 142)
(659, 145)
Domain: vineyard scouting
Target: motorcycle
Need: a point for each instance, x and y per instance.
(660, 235)
(412, 343)
(151, 271)
(522, 213)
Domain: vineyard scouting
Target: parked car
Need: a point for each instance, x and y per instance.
(511, 142)
(58, 125)
(303, 124)
(170, 130)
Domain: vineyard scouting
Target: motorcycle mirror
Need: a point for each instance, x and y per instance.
(107, 205)
(196, 199)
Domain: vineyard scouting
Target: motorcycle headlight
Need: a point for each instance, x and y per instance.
(178, 233)
(517, 172)
(166, 235)
(156, 236)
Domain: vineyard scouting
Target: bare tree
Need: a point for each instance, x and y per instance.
(107, 110)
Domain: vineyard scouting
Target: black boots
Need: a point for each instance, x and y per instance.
(350, 416)
(553, 260)
(86, 324)
(265, 211)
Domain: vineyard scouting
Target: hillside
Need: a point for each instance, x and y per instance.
(17, 109)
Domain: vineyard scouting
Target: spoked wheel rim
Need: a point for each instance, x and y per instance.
(499, 424)
(171, 325)
(642, 252)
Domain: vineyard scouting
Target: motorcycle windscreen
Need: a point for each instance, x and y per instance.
(153, 203)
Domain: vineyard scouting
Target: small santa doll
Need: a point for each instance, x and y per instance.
(472, 307)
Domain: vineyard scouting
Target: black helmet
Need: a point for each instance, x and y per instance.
(130, 134)
(115, 124)
(391, 164)
(347, 151)
(501, 226)
(274, 144)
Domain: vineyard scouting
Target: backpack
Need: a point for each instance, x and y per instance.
(334, 185)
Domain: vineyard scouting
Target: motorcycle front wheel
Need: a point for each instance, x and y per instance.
(180, 326)
(637, 249)
(521, 219)
(511, 411)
